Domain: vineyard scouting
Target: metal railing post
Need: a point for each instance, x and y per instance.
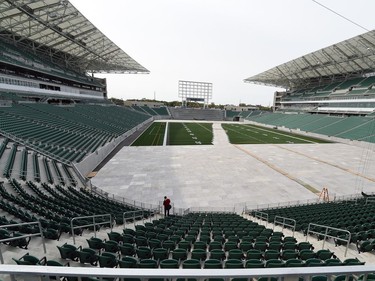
(275, 222)
(331, 236)
(40, 233)
(87, 225)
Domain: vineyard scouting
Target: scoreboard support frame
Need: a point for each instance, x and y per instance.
(194, 91)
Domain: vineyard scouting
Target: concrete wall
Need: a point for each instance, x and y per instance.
(88, 164)
(197, 114)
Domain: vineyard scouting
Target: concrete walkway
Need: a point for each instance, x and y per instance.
(226, 175)
(220, 137)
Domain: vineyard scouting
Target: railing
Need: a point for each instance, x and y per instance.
(284, 223)
(212, 209)
(286, 274)
(370, 200)
(40, 233)
(249, 207)
(177, 211)
(127, 201)
(325, 234)
(94, 224)
(133, 215)
(261, 215)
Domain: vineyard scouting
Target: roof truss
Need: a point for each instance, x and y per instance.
(57, 29)
(350, 58)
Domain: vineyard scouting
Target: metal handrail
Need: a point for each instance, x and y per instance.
(123, 200)
(330, 236)
(261, 215)
(249, 207)
(293, 226)
(92, 224)
(135, 216)
(40, 233)
(230, 210)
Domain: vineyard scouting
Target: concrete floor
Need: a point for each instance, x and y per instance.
(223, 175)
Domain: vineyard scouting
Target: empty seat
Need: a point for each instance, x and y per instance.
(233, 263)
(144, 253)
(274, 263)
(128, 262)
(212, 263)
(191, 263)
(88, 255)
(199, 254)
(169, 263)
(107, 259)
(160, 253)
(294, 263)
(28, 259)
(179, 254)
(148, 263)
(254, 263)
(68, 251)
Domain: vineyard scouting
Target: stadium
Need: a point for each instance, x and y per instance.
(285, 194)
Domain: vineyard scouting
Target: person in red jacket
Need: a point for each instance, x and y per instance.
(167, 205)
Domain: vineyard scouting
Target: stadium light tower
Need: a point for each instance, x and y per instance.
(194, 91)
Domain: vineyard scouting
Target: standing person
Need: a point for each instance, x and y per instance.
(167, 206)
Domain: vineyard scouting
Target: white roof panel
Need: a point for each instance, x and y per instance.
(58, 29)
(349, 58)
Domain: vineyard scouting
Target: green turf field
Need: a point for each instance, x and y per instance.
(186, 133)
(189, 133)
(250, 134)
(154, 135)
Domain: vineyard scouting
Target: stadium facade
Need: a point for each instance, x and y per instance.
(338, 78)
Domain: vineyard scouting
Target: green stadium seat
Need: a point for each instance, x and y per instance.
(233, 263)
(179, 254)
(160, 253)
(147, 263)
(144, 252)
(28, 259)
(107, 259)
(127, 249)
(68, 251)
(294, 263)
(169, 263)
(88, 255)
(274, 263)
(254, 263)
(191, 263)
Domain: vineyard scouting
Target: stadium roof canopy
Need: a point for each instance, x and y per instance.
(55, 28)
(350, 58)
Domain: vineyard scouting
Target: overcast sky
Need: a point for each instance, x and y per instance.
(218, 41)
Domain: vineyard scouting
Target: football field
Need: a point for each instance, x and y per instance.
(251, 134)
(189, 133)
(178, 133)
(200, 133)
(154, 135)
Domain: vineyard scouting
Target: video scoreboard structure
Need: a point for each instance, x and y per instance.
(195, 92)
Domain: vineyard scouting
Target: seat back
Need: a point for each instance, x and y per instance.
(191, 263)
(169, 263)
(212, 263)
